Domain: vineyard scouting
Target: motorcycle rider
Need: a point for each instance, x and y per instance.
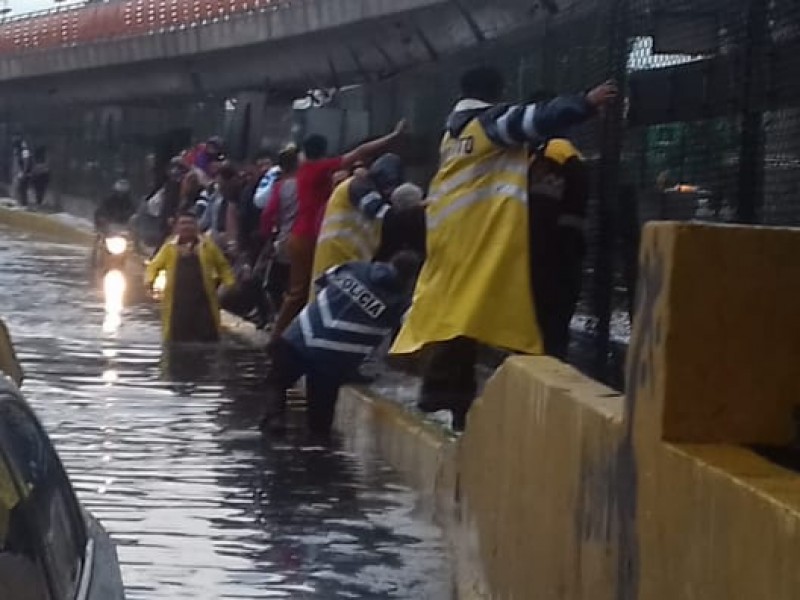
(116, 209)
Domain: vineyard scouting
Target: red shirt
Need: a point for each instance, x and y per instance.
(314, 188)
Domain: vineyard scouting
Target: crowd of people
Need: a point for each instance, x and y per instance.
(343, 257)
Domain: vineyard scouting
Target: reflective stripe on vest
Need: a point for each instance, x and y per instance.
(479, 195)
(358, 243)
(485, 174)
(343, 222)
(483, 169)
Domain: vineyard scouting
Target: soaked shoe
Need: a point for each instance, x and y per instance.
(274, 420)
(431, 402)
(359, 378)
(274, 424)
(457, 404)
(460, 411)
(319, 438)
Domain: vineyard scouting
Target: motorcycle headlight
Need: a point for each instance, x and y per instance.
(116, 245)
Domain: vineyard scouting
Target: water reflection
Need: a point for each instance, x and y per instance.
(114, 288)
(163, 448)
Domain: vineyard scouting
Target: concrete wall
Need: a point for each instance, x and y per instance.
(562, 489)
(577, 494)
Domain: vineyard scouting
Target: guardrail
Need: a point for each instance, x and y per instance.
(86, 23)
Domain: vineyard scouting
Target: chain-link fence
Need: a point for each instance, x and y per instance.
(708, 130)
(89, 148)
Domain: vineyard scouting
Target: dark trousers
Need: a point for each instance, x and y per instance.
(247, 296)
(449, 368)
(23, 185)
(40, 185)
(301, 259)
(323, 389)
(277, 283)
(557, 277)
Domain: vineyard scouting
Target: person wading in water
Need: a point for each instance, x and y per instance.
(193, 265)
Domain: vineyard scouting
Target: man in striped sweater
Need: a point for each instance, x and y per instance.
(358, 305)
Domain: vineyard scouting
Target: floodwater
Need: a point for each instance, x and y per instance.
(165, 452)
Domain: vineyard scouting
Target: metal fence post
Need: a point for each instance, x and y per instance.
(751, 152)
(608, 188)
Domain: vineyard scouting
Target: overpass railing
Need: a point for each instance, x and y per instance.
(86, 23)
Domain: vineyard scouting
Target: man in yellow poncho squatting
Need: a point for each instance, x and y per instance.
(194, 266)
(351, 228)
(475, 286)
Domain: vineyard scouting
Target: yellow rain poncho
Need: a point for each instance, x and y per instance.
(476, 281)
(215, 267)
(346, 234)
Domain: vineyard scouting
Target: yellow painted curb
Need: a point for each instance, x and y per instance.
(46, 226)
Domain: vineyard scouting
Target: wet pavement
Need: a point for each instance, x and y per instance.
(165, 452)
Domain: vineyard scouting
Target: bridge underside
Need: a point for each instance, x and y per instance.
(273, 52)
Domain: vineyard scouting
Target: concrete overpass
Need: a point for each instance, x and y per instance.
(143, 49)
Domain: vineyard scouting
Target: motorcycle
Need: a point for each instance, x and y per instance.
(113, 251)
(113, 262)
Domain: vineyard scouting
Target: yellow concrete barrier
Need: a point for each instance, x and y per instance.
(46, 226)
(565, 490)
(536, 469)
(575, 493)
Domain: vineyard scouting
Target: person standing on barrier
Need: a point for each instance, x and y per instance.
(475, 287)
(558, 188)
(314, 188)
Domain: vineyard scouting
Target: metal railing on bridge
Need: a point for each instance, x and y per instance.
(87, 23)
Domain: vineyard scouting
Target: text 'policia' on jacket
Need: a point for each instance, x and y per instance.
(358, 306)
(476, 281)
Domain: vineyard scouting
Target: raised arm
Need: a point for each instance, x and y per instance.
(367, 151)
(520, 124)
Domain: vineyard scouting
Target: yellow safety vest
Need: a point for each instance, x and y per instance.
(346, 234)
(476, 281)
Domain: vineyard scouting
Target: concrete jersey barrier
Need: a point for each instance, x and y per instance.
(563, 489)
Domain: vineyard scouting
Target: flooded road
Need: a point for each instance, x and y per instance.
(166, 453)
